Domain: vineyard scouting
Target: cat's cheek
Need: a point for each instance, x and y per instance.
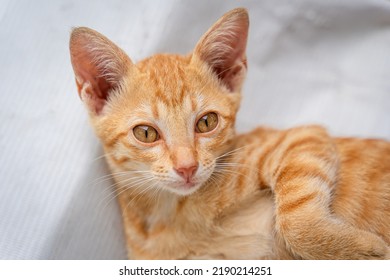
(208, 144)
(152, 155)
(205, 171)
(218, 142)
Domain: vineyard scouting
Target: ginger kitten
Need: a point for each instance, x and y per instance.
(190, 188)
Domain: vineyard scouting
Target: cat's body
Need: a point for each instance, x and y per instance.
(189, 187)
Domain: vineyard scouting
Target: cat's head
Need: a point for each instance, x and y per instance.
(167, 118)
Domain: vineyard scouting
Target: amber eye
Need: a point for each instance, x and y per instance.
(145, 133)
(207, 123)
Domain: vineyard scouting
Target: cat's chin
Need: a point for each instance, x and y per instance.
(185, 189)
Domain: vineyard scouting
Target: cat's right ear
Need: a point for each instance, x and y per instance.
(223, 48)
(99, 66)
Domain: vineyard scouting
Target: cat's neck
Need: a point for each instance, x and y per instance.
(164, 209)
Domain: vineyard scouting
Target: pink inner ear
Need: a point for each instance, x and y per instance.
(96, 95)
(104, 88)
(233, 64)
(229, 75)
(223, 48)
(99, 89)
(99, 66)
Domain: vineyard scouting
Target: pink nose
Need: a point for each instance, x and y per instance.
(187, 172)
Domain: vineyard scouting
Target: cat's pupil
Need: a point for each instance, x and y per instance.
(206, 121)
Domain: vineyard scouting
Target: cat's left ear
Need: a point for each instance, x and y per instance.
(223, 48)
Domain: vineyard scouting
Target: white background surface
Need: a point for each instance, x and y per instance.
(325, 62)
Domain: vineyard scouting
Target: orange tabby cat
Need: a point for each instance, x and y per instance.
(190, 188)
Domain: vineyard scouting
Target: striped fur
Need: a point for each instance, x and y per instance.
(267, 194)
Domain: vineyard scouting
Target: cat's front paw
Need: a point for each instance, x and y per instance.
(387, 257)
(376, 249)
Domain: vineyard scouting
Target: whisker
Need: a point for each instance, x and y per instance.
(233, 172)
(99, 157)
(122, 190)
(122, 173)
(109, 176)
(155, 193)
(231, 152)
(106, 154)
(233, 164)
(216, 179)
(130, 183)
(230, 171)
(143, 192)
